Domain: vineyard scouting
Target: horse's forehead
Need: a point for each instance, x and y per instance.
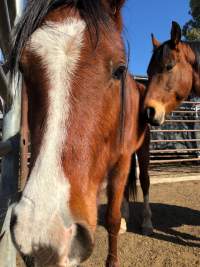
(167, 52)
(56, 37)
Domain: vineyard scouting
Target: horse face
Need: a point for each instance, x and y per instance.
(170, 77)
(74, 95)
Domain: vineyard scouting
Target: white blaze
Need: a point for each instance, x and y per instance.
(44, 201)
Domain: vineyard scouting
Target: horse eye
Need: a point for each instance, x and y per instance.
(169, 66)
(117, 74)
(179, 97)
(21, 68)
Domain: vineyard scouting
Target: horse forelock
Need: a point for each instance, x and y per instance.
(160, 55)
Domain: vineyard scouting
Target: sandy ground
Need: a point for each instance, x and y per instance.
(176, 238)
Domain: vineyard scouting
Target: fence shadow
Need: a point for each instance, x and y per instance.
(165, 219)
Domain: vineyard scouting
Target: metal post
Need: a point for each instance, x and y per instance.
(3, 84)
(5, 29)
(11, 133)
(15, 10)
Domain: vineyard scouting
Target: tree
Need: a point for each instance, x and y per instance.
(191, 29)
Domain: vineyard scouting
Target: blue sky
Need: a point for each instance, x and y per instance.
(143, 17)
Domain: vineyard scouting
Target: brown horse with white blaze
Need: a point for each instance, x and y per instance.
(84, 127)
(174, 71)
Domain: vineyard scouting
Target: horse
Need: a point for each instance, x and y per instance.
(173, 71)
(82, 120)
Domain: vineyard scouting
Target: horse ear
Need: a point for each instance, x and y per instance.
(155, 42)
(175, 34)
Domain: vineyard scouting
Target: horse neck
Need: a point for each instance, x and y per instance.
(196, 83)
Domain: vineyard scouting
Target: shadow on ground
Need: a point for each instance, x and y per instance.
(165, 219)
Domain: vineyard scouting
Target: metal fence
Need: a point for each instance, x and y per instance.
(178, 140)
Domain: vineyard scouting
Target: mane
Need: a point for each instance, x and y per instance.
(92, 12)
(195, 46)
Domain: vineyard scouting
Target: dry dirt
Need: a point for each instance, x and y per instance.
(176, 238)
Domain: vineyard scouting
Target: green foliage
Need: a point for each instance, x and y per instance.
(191, 29)
(195, 9)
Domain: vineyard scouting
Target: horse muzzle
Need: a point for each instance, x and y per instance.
(155, 114)
(52, 244)
(151, 118)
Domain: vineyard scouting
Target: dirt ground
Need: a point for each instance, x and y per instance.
(176, 238)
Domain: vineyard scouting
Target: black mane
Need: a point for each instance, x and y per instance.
(195, 46)
(92, 11)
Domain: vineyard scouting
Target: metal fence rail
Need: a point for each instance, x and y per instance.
(178, 140)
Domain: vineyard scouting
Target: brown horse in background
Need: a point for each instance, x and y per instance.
(84, 121)
(174, 71)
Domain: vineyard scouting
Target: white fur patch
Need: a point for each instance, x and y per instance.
(43, 209)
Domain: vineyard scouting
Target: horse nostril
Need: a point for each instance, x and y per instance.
(13, 221)
(150, 113)
(82, 245)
